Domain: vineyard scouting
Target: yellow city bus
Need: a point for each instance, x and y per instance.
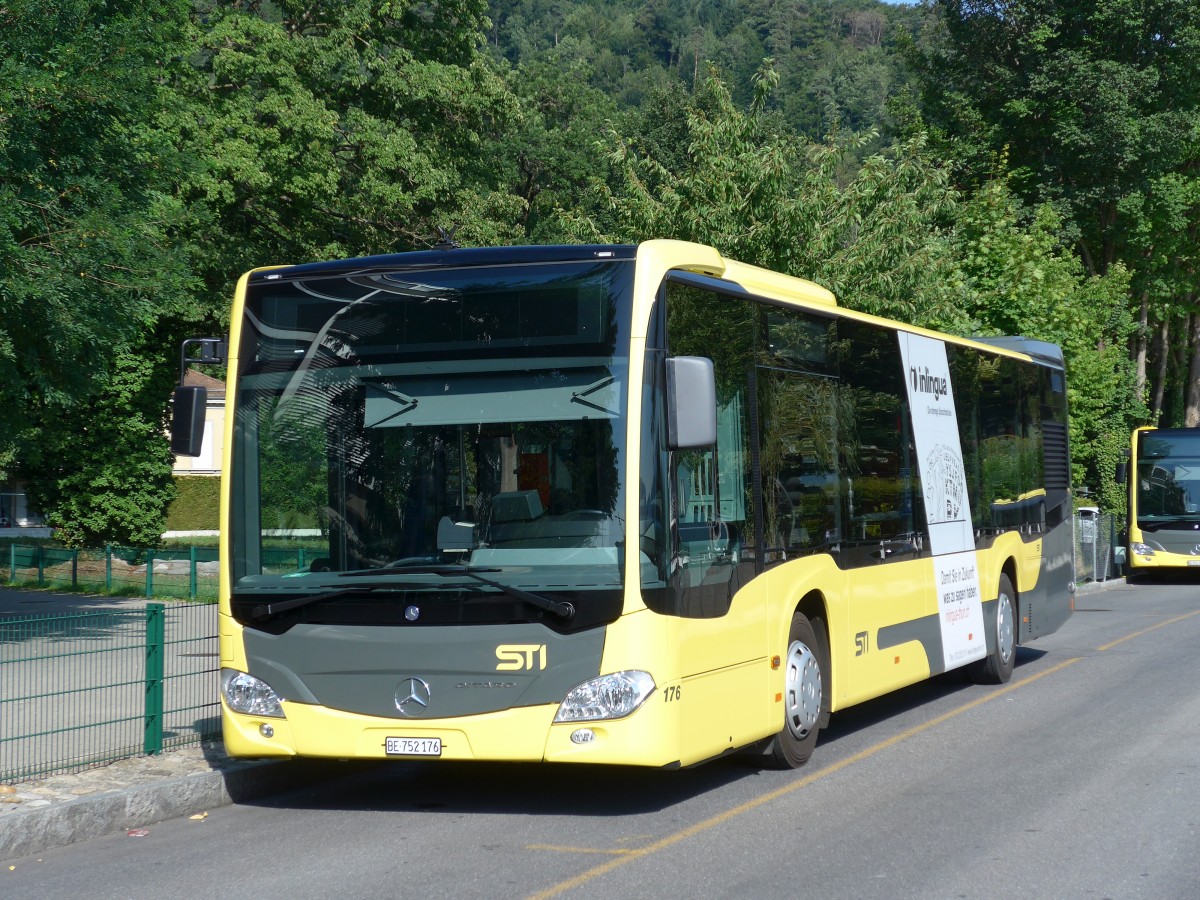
(1164, 500)
(637, 505)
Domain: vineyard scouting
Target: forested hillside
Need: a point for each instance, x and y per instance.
(837, 62)
(984, 168)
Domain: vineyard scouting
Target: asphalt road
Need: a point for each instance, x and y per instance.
(1078, 779)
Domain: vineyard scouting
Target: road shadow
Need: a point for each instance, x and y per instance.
(46, 615)
(1179, 577)
(873, 712)
(540, 789)
(533, 789)
(15, 602)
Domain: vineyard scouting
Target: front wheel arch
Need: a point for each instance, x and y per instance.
(1002, 629)
(805, 696)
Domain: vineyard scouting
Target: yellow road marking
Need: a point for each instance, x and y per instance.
(626, 856)
(557, 849)
(1130, 637)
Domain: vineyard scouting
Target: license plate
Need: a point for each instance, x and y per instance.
(1193, 562)
(407, 746)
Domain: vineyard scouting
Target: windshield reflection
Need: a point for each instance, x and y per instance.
(475, 418)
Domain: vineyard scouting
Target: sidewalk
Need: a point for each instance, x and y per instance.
(58, 810)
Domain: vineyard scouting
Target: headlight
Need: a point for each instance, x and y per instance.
(1140, 549)
(606, 697)
(247, 694)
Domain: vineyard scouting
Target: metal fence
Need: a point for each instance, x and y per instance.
(174, 573)
(1095, 540)
(86, 688)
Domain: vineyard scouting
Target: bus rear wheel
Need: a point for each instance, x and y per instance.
(997, 666)
(805, 698)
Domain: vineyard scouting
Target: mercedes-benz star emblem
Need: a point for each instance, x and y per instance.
(412, 613)
(1196, 550)
(412, 697)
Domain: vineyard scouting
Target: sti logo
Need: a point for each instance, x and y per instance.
(518, 657)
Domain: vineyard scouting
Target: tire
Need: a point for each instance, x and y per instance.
(805, 697)
(997, 666)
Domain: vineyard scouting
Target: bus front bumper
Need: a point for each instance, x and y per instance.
(1145, 557)
(647, 737)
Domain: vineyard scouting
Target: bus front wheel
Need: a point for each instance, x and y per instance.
(997, 666)
(805, 695)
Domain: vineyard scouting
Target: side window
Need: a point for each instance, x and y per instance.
(696, 504)
(1033, 461)
(1001, 460)
(799, 416)
(882, 506)
(1000, 424)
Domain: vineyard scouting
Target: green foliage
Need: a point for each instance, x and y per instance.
(107, 478)
(339, 128)
(85, 210)
(1096, 104)
(547, 152)
(92, 283)
(1088, 95)
(196, 504)
(836, 61)
(1021, 280)
(875, 234)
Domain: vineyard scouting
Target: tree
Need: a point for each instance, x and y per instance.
(874, 234)
(1097, 103)
(547, 153)
(334, 129)
(90, 272)
(1022, 280)
(107, 477)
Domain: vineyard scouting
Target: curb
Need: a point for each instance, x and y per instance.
(29, 831)
(1093, 587)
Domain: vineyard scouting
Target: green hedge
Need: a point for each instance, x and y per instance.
(196, 505)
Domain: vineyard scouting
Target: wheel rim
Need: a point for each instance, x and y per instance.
(803, 690)
(1005, 634)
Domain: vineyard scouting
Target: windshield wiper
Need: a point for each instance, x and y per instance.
(267, 610)
(418, 568)
(578, 396)
(558, 607)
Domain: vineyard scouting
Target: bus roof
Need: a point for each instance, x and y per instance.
(451, 256)
(786, 288)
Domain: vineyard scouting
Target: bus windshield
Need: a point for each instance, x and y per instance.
(1168, 479)
(400, 424)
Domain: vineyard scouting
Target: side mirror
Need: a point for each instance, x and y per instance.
(691, 403)
(1122, 472)
(187, 420)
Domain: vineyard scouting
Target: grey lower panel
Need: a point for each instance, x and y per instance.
(365, 669)
(1048, 604)
(926, 630)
